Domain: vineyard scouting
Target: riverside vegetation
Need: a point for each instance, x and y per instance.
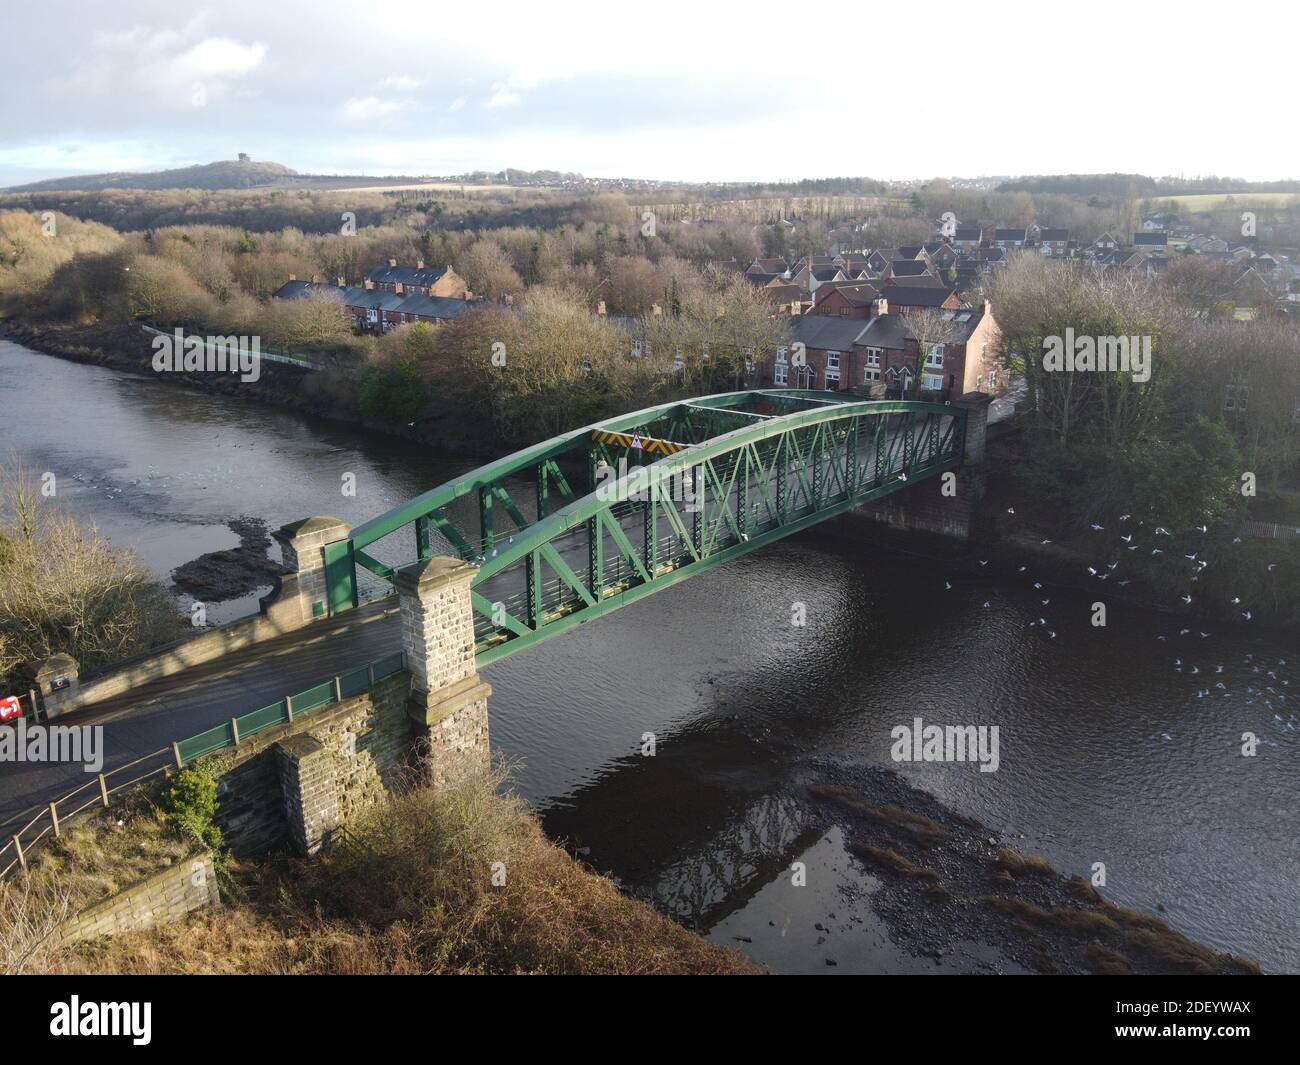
(457, 881)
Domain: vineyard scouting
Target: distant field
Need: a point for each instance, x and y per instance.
(1212, 201)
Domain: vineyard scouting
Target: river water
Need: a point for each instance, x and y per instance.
(1108, 753)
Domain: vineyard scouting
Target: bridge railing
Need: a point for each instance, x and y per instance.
(31, 828)
(344, 686)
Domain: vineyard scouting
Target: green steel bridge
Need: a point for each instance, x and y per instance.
(661, 494)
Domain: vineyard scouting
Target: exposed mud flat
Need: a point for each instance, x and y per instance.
(219, 576)
(947, 881)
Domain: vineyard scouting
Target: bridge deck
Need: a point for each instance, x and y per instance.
(171, 708)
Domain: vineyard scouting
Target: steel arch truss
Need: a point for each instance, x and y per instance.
(669, 492)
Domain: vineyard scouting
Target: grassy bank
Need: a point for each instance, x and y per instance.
(458, 882)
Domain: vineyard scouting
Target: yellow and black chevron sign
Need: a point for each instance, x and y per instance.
(637, 442)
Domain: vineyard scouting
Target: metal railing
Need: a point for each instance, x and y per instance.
(282, 711)
(28, 828)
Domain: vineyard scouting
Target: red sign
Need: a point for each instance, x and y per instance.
(10, 708)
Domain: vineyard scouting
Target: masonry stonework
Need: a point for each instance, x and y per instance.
(295, 783)
(162, 898)
(448, 700)
(303, 594)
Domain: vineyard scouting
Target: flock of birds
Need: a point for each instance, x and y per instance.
(1263, 684)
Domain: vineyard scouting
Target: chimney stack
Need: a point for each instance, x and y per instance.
(880, 307)
(343, 283)
(419, 264)
(293, 277)
(370, 285)
(399, 289)
(392, 263)
(510, 299)
(315, 279)
(656, 310)
(468, 295)
(600, 308)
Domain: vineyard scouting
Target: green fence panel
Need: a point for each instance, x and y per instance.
(354, 683)
(313, 697)
(252, 723)
(386, 667)
(214, 739)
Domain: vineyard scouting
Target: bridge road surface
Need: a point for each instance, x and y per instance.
(154, 715)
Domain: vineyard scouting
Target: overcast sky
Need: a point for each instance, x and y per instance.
(694, 90)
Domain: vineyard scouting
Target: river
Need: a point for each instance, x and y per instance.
(1108, 752)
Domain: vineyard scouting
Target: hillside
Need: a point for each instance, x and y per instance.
(225, 174)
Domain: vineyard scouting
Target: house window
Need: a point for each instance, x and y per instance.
(932, 381)
(934, 358)
(873, 356)
(993, 380)
(832, 367)
(749, 360)
(780, 356)
(1236, 398)
(678, 363)
(636, 349)
(780, 376)
(869, 375)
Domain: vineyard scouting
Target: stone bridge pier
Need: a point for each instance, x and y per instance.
(448, 701)
(941, 506)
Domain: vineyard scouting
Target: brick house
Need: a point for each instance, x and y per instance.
(1054, 242)
(426, 280)
(846, 299)
(881, 354)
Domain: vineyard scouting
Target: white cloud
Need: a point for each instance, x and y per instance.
(400, 83)
(370, 109)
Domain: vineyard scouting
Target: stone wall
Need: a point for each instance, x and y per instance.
(356, 751)
(924, 508)
(162, 898)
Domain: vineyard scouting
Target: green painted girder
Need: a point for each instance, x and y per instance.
(719, 462)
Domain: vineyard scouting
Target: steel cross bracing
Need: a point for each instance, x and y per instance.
(661, 494)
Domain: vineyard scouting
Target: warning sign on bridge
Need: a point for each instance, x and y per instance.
(635, 441)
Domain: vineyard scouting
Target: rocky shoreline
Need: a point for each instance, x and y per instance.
(946, 879)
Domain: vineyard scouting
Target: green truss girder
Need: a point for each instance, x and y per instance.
(764, 464)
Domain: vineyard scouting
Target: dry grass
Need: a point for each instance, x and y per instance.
(93, 858)
(917, 827)
(1106, 961)
(415, 887)
(1082, 889)
(1018, 864)
(1067, 918)
(893, 861)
